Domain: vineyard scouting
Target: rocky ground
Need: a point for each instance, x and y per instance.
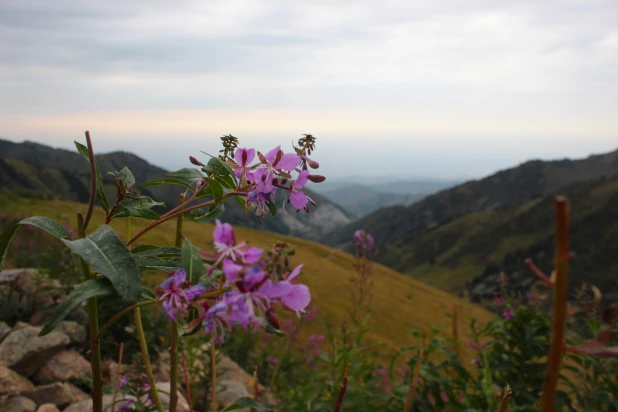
(35, 370)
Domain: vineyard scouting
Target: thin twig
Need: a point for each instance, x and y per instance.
(506, 398)
(93, 184)
(556, 351)
(174, 328)
(413, 383)
(187, 384)
(146, 357)
(213, 372)
(120, 314)
(344, 386)
(118, 371)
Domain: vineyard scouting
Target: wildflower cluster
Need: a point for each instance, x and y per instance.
(249, 294)
(364, 244)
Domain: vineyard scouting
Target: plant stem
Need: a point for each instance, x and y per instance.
(93, 325)
(93, 185)
(118, 372)
(174, 328)
(556, 351)
(144, 347)
(120, 314)
(187, 385)
(213, 377)
(413, 383)
(166, 218)
(344, 386)
(506, 398)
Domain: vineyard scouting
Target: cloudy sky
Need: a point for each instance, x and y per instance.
(451, 89)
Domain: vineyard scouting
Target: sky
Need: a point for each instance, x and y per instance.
(439, 89)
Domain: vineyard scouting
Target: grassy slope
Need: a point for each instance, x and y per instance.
(399, 303)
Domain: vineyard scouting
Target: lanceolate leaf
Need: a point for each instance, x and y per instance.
(192, 262)
(138, 208)
(44, 223)
(157, 263)
(186, 173)
(84, 291)
(108, 255)
(213, 213)
(161, 252)
(215, 189)
(170, 181)
(83, 150)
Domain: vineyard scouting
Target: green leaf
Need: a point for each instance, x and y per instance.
(186, 173)
(213, 213)
(108, 255)
(192, 262)
(248, 403)
(143, 248)
(162, 252)
(215, 189)
(241, 201)
(138, 208)
(44, 223)
(170, 181)
(83, 150)
(126, 177)
(147, 294)
(218, 167)
(157, 263)
(89, 289)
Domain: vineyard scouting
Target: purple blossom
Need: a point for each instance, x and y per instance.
(260, 200)
(276, 161)
(364, 243)
(123, 381)
(126, 406)
(507, 314)
(299, 199)
(176, 294)
(272, 360)
(499, 300)
(243, 157)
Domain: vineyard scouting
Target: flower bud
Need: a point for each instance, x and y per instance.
(272, 318)
(195, 161)
(316, 178)
(312, 163)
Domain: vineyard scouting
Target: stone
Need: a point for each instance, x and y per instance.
(164, 389)
(228, 391)
(17, 404)
(76, 332)
(60, 394)
(4, 330)
(48, 407)
(13, 382)
(25, 351)
(109, 369)
(62, 366)
(86, 404)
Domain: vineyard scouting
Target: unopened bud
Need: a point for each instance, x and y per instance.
(195, 161)
(311, 163)
(272, 318)
(316, 178)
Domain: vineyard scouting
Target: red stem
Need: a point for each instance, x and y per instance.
(344, 386)
(187, 385)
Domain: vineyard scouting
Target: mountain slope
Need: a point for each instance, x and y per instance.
(326, 271)
(361, 200)
(62, 174)
(464, 237)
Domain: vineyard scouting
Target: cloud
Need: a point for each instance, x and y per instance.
(444, 70)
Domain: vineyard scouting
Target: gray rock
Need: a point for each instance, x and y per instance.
(13, 382)
(63, 366)
(229, 391)
(48, 407)
(4, 330)
(183, 405)
(25, 351)
(76, 332)
(17, 404)
(60, 394)
(86, 404)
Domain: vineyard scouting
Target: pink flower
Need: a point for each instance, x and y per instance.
(176, 294)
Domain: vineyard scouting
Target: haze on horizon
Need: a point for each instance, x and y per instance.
(396, 88)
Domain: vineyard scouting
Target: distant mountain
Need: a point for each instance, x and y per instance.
(34, 168)
(361, 200)
(462, 238)
(390, 185)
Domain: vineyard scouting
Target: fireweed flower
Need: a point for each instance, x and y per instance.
(176, 294)
(507, 314)
(297, 198)
(275, 161)
(243, 157)
(126, 406)
(364, 243)
(123, 381)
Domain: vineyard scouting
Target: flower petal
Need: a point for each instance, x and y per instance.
(274, 290)
(179, 277)
(270, 156)
(253, 276)
(288, 162)
(230, 270)
(301, 180)
(252, 255)
(170, 310)
(295, 272)
(298, 298)
(195, 291)
(298, 199)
